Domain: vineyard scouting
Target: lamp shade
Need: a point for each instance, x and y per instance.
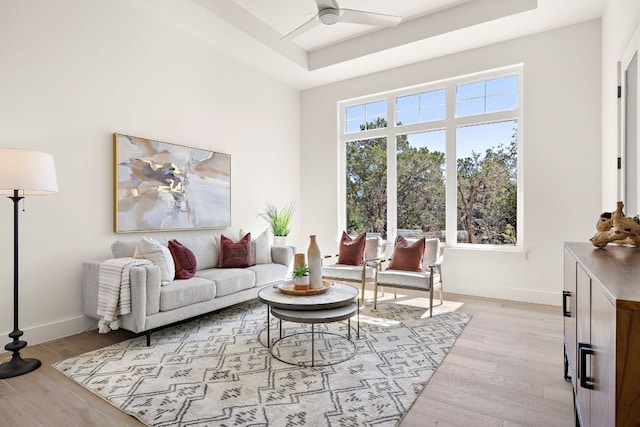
(31, 172)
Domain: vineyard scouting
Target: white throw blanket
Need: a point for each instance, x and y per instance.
(114, 291)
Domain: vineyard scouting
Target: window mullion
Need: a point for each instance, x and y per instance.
(451, 203)
(392, 175)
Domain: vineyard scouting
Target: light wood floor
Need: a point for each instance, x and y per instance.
(506, 369)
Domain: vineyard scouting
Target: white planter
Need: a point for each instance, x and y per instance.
(279, 240)
(304, 280)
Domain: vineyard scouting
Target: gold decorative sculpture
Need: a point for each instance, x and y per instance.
(614, 227)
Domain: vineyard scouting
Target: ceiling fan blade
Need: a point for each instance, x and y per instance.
(368, 18)
(311, 23)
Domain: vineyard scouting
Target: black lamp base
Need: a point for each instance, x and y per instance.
(18, 366)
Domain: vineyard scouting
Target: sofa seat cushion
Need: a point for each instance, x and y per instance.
(229, 280)
(406, 279)
(181, 293)
(347, 272)
(268, 273)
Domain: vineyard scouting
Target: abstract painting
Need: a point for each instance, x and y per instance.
(162, 186)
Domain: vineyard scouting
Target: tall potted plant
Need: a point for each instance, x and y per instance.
(280, 221)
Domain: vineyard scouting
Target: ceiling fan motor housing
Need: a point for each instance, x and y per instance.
(329, 15)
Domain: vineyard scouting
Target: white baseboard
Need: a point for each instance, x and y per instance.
(52, 331)
(534, 296)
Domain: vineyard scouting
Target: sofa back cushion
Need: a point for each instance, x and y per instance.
(204, 248)
(124, 248)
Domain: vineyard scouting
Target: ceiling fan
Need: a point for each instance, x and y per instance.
(329, 13)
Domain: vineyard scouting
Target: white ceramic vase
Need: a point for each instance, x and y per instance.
(314, 261)
(279, 240)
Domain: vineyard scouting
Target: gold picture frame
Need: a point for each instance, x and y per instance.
(160, 186)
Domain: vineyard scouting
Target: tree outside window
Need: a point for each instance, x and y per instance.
(482, 137)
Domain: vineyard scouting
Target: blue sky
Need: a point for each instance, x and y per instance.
(469, 138)
(476, 98)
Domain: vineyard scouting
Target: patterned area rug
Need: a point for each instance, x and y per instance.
(214, 371)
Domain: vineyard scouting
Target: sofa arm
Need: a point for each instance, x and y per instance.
(145, 293)
(90, 271)
(145, 296)
(282, 255)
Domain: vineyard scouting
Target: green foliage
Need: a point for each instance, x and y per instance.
(487, 189)
(279, 219)
(487, 195)
(367, 186)
(301, 271)
(421, 188)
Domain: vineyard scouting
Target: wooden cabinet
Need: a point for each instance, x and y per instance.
(601, 307)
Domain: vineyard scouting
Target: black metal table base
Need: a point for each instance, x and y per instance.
(273, 346)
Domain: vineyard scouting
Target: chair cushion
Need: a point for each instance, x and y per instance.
(184, 260)
(351, 250)
(374, 247)
(183, 293)
(347, 272)
(235, 254)
(407, 255)
(431, 251)
(406, 279)
(229, 280)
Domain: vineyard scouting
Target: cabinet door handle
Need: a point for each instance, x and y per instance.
(585, 350)
(565, 295)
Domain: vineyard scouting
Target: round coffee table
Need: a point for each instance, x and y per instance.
(339, 302)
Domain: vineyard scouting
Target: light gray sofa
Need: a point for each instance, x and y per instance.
(154, 305)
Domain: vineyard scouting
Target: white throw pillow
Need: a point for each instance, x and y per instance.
(261, 247)
(159, 255)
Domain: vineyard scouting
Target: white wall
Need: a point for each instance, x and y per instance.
(75, 71)
(561, 135)
(620, 20)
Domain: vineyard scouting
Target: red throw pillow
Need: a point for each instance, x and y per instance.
(407, 255)
(235, 254)
(351, 251)
(184, 259)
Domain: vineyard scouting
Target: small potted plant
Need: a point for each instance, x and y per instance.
(301, 277)
(280, 221)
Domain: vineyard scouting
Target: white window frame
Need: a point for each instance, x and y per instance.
(450, 123)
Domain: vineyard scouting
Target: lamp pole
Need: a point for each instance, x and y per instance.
(31, 173)
(17, 365)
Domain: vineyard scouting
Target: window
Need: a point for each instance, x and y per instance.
(421, 107)
(487, 96)
(421, 182)
(367, 186)
(366, 116)
(447, 166)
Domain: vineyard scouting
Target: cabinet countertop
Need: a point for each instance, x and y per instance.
(616, 267)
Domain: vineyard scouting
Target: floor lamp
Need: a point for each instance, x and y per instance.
(22, 173)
